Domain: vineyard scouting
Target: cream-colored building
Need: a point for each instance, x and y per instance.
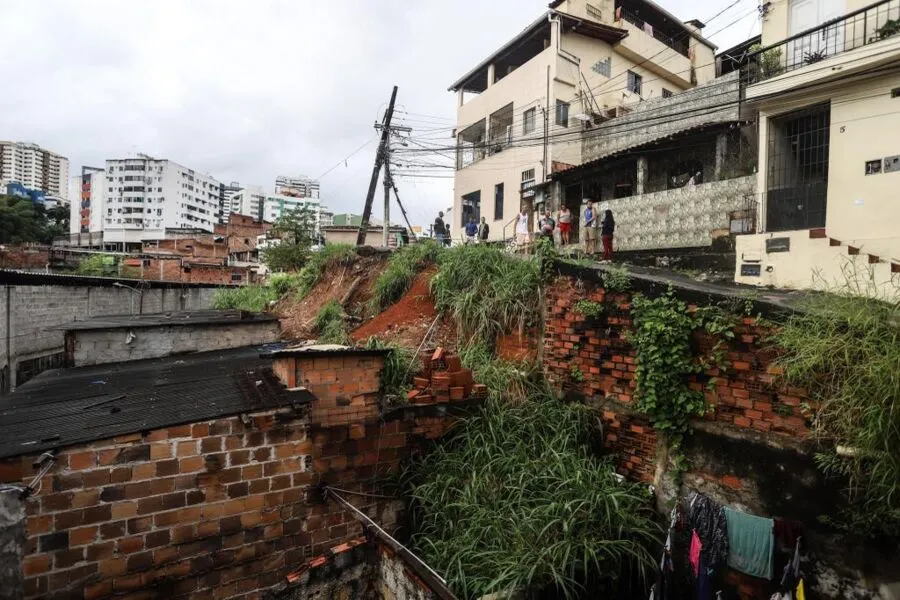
(522, 112)
(827, 87)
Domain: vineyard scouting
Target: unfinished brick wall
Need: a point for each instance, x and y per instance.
(591, 357)
(180, 510)
(24, 256)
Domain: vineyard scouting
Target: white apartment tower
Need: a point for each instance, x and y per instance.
(35, 168)
(144, 196)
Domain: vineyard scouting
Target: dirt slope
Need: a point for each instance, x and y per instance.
(406, 322)
(351, 278)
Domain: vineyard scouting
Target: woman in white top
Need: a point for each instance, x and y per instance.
(522, 228)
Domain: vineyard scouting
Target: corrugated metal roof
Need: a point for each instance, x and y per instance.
(185, 318)
(70, 406)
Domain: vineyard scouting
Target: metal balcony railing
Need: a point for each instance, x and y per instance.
(862, 27)
(679, 44)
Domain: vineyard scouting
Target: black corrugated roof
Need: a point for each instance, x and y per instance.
(70, 406)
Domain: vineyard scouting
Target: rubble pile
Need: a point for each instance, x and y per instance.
(443, 379)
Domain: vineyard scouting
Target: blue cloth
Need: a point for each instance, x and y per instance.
(471, 228)
(588, 217)
(751, 542)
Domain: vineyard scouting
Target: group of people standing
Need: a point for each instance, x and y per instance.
(593, 224)
(478, 232)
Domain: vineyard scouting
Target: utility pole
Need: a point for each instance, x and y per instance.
(380, 156)
(397, 195)
(387, 197)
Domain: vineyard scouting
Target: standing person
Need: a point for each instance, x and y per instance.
(607, 229)
(547, 226)
(483, 231)
(471, 231)
(522, 228)
(565, 223)
(590, 230)
(440, 230)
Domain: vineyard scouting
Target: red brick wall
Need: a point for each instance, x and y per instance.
(24, 256)
(746, 397)
(211, 509)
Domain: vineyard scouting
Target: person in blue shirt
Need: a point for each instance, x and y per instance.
(590, 229)
(471, 230)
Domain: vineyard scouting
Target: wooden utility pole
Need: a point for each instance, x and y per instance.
(380, 157)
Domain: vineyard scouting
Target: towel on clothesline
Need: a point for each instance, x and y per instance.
(751, 543)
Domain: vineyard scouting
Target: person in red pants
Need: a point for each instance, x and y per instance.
(607, 229)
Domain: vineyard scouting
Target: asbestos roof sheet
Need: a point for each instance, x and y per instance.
(63, 407)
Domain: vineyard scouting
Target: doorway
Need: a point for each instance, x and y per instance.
(572, 199)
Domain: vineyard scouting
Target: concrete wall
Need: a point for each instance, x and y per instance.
(95, 347)
(679, 218)
(12, 542)
(660, 118)
(29, 314)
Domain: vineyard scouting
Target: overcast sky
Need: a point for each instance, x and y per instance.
(248, 89)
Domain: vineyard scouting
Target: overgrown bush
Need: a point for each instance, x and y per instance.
(515, 500)
(487, 291)
(513, 381)
(253, 298)
(282, 283)
(329, 322)
(846, 352)
(402, 268)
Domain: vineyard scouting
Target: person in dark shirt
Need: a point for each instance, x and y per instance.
(607, 229)
(440, 230)
(471, 230)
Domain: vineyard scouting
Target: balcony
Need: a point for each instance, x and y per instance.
(822, 44)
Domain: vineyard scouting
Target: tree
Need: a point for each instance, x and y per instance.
(21, 220)
(297, 232)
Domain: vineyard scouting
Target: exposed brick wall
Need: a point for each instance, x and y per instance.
(24, 256)
(190, 270)
(592, 358)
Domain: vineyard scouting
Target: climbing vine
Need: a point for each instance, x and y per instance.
(662, 337)
(589, 308)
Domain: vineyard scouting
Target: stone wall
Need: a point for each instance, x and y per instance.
(12, 542)
(30, 316)
(100, 346)
(714, 102)
(682, 217)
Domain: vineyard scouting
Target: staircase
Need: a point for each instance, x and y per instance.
(862, 272)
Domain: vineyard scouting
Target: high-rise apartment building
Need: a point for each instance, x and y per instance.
(35, 168)
(86, 195)
(242, 199)
(299, 187)
(144, 196)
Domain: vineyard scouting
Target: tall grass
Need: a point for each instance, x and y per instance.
(846, 352)
(253, 298)
(329, 322)
(402, 268)
(398, 370)
(487, 291)
(515, 500)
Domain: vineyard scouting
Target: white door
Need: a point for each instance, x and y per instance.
(805, 15)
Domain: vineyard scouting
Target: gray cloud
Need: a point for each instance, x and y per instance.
(248, 89)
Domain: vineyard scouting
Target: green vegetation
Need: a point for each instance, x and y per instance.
(590, 309)
(402, 268)
(330, 324)
(515, 500)
(21, 220)
(296, 232)
(616, 280)
(662, 338)
(890, 27)
(105, 265)
(846, 352)
(398, 371)
(282, 283)
(253, 298)
(487, 291)
(769, 62)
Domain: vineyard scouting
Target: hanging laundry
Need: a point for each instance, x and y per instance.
(648, 29)
(790, 578)
(694, 554)
(751, 543)
(619, 14)
(801, 592)
(708, 519)
(704, 579)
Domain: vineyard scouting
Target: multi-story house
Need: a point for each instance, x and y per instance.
(522, 111)
(35, 168)
(826, 83)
